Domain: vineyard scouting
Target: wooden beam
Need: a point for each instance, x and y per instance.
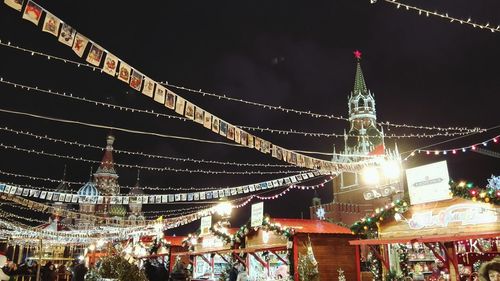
(236, 256)
(358, 264)
(377, 254)
(279, 257)
(222, 257)
(205, 259)
(436, 254)
(454, 258)
(264, 264)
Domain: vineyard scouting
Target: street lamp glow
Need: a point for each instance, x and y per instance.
(370, 175)
(224, 209)
(391, 169)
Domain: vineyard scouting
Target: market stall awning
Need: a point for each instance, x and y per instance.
(425, 239)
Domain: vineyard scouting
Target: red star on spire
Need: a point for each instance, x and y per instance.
(357, 54)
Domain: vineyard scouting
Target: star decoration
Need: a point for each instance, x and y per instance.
(320, 213)
(494, 182)
(357, 54)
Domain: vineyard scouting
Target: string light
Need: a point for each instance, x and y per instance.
(155, 156)
(154, 169)
(157, 114)
(265, 106)
(445, 16)
(322, 164)
(472, 147)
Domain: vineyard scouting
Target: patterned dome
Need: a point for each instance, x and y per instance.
(88, 189)
(117, 211)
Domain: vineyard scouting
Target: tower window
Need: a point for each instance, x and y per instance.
(361, 102)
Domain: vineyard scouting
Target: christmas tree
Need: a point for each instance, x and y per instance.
(341, 275)
(308, 266)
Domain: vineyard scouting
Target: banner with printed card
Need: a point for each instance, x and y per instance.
(51, 24)
(67, 35)
(124, 72)
(198, 115)
(170, 99)
(149, 87)
(215, 124)
(189, 113)
(160, 94)
(32, 12)
(110, 64)
(136, 80)
(80, 44)
(95, 55)
(14, 4)
(179, 105)
(207, 120)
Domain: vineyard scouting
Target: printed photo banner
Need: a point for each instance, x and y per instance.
(116, 67)
(157, 198)
(132, 225)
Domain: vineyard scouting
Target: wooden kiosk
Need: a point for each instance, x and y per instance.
(271, 250)
(455, 232)
(209, 254)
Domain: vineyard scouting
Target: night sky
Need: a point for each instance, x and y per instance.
(295, 54)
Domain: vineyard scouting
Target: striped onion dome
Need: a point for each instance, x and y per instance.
(88, 189)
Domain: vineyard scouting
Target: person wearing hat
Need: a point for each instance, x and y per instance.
(490, 271)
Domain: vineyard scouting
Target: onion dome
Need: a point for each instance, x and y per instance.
(117, 211)
(88, 189)
(136, 190)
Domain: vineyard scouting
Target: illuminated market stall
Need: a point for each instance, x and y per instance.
(448, 239)
(275, 249)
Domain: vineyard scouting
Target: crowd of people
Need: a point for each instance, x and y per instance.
(49, 272)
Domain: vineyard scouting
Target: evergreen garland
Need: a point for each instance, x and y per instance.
(375, 266)
(367, 226)
(403, 260)
(488, 194)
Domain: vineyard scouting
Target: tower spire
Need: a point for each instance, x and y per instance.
(359, 81)
(64, 173)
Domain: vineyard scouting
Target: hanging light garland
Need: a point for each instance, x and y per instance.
(457, 150)
(32, 89)
(265, 106)
(153, 169)
(451, 19)
(147, 155)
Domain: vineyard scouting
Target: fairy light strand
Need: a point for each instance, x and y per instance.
(427, 13)
(350, 167)
(32, 89)
(265, 106)
(147, 155)
(445, 141)
(453, 151)
(148, 168)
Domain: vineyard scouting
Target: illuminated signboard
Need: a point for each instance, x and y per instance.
(462, 214)
(428, 183)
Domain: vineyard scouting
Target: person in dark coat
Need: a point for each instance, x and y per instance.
(49, 272)
(78, 271)
(233, 273)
